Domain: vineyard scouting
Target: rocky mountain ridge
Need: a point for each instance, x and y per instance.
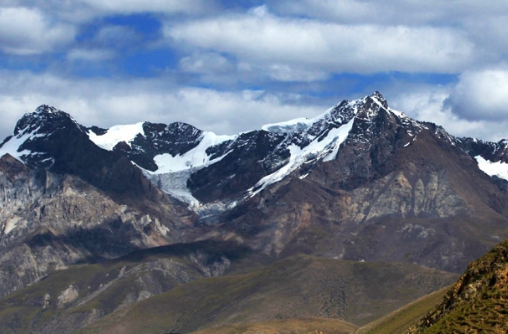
(359, 182)
(204, 168)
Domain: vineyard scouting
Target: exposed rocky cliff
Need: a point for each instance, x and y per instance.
(361, 182)
(50, 220)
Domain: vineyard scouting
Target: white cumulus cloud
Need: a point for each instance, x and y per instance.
(28, 31)
(261, 37)
(206, 63)
(90, 54)
(431, 104)
(481, 95)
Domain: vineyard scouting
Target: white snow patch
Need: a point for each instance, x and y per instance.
(300, 155)
(163, 229)
(499, 169)
(117, 134)
(195, 158)
(397, 113)
(377, 102)
(174, 171)
(298, 124)
(12, 146)
(340, 135)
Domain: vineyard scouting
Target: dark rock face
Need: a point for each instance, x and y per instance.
(256, 154)
(493, 152)
(490, 151)
(376, 137)
(175, 138)
(251, 157)
(56, 142)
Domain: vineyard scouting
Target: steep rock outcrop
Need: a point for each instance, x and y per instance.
(49, 220)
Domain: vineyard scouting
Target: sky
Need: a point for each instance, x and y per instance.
(232, 66)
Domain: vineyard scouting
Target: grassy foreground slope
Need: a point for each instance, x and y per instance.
(478, 302)
(296, 287)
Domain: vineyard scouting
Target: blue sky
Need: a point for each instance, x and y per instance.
(231, 66)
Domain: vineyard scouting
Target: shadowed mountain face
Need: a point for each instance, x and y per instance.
(361, 182)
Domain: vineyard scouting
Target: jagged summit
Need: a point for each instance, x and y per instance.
(201, 167)
(380, 98)
(35, 134)
(341, 113)
(44, 108)
(44, 120)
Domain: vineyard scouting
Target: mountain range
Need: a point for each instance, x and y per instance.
(153, 213)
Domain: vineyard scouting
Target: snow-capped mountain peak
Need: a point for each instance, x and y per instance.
(203, 167)
(376, 96)
(31, 140)
(44, 120)
(46, 109)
